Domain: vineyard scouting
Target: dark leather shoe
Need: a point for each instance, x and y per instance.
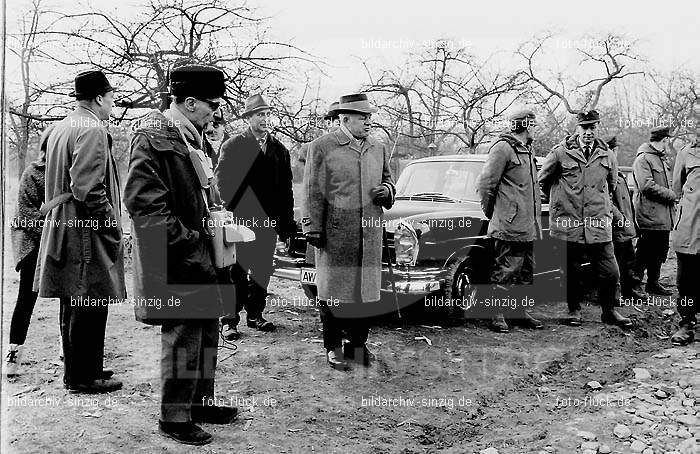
(361, 355)
(498, 324)
(656, 288)
(97, 386)
(336, 361)
(574, 318)
(260, 324)
(187, 433)
(106, 374)
(685, 334)
(230, 332)
(212, 414)
(612, 317)
(527, 321)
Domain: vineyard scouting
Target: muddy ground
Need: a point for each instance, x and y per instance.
(470, 390)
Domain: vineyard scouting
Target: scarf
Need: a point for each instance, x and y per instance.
(183, 124)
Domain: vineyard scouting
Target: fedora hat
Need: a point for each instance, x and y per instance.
(89, 84)
(254, 104)
(356, 102)
(332, 111)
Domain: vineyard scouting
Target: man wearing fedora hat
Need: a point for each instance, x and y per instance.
(80, 257)
(347, 183)
(654, 204)
(255, 181)
(168, 193)
(580, 175)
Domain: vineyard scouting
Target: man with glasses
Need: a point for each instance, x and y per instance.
(580, 175)
(254, 175)
(168, 191)
(216, 136)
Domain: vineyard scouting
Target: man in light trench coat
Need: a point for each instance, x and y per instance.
(347, 182)
(81, 259)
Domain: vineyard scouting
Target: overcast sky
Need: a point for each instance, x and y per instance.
(343, 32)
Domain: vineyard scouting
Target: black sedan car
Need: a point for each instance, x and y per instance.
(435, 237)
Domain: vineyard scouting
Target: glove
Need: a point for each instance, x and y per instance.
(379, 194)
(316, 239)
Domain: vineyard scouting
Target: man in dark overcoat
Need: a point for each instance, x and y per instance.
(168, 194)
(81, 259)
(255, 180)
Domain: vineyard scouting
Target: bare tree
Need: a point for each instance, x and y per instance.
(673, 98)
(142, 50)
(25, 111)
(610, 55)
(451, 99)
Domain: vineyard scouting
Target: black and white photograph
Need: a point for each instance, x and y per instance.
(401, 227)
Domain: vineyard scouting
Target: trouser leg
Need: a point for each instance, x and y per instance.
(510, 276)
(358, 331)
(26, 299)
(574, 257)
(83, 339)
(624, 255)
(641, 260)
(688, 288)
(657, 254)
(332, 327)
(204, 391)
(260, 256)
(605, 272)
(229, 297)
(181, 358)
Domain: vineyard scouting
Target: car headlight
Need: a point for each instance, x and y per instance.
(405, 244)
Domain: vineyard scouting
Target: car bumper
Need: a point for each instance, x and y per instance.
(409, 281)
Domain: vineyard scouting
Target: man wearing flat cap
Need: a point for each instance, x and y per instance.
(347, 185)
(624, 230)
(255, 181)
(168, 193)
(510, 198)
(580, 175)
(81, 254)
(654, 206)
(686, 235)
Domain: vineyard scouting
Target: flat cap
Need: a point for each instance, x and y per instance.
(587, 118)
(520, 113)
(659, 132)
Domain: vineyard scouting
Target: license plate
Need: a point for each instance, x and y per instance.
(308, 276)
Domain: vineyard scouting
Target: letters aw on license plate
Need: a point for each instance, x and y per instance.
(308, 276)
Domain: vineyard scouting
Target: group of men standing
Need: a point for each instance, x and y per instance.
(176, 178)
(593, 216)
(180, 170)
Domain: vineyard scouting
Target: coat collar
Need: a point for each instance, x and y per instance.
(573, 148)
(344, 140)
(648, 148)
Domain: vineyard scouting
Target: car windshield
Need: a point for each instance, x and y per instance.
(453, 179)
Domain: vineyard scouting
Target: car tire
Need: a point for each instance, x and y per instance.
(460, 285)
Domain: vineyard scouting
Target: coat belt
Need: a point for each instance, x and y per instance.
(56, 201)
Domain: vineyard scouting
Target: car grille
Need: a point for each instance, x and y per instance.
(297, 247)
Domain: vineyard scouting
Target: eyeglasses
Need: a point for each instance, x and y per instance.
(213, 105)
